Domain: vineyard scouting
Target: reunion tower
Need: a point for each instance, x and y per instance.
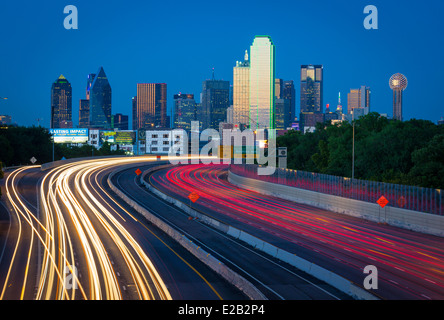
(398, 83)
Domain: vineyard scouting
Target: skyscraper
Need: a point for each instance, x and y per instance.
(185, 111)
(84, 103)
(289, 93)
(61, 103)
(120, 121)
(282, 112)
(398, 83)
(312, 88)
(89, 82)
(241, 91)
(134, 109)
(100, 102)
(278, 88)
(215, 102)
(262, 83)
(359, 101)
(84, 113)
(151, 105)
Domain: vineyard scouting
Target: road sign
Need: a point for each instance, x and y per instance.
(193, 197)
(33, 160)
(138, 172)
(402, 201)
(382, 201)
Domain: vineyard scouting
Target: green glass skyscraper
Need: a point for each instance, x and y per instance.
(262, 83)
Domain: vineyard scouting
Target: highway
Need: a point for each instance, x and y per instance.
(276, 280)
(410, 265)
(70, 238)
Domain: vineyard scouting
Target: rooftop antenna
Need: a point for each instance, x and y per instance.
(213, 74)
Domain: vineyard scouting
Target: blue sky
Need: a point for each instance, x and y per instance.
(179, 42)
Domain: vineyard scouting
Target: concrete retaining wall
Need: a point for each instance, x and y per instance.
(407, 219)
(329, 277)
(227, 273)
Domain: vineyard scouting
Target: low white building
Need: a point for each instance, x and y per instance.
(161, 141)
(94, 138)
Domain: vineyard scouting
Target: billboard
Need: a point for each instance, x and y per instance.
(118, 137)
(107, 136)
(125, 137)
(69, 135)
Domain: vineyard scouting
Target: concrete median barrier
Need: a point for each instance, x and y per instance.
(212, 262)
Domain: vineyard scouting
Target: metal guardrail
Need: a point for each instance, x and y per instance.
(425, 200)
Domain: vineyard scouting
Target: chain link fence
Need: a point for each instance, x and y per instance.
(400, 196)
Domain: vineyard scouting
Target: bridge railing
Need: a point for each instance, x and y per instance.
(400, 196)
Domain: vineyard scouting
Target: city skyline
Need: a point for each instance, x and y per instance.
(224, 155)
(370, 59)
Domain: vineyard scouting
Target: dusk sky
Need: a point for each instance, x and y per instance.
(179, 42)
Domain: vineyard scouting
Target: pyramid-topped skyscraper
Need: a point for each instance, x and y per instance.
(100, 102)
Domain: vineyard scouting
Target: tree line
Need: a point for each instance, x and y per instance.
(403, 152)
(18, 145)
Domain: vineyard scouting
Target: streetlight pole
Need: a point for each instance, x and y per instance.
(353, 151)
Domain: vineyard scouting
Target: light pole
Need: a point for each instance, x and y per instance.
(353, 150)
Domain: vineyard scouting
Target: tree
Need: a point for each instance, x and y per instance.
(385, 150)
(428, 164)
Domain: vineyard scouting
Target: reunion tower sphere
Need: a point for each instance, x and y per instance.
(398, 83)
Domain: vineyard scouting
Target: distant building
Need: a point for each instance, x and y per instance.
(241, 91)
(120, 121)
(61, 103)
(289, 93)
(309, 120)
(160, 141)
(311, 97)
(262, 83)
(5, 119)
(282, 113)
(215, 101)
(65, 124)
(100, 102)
(339, 109)
(185, 111)
(278, 88)
(84, 113)
(93, 138)
(134, 112)
(151, 106)
(331, 116)
(398, 83)
(359, 99)
(441, 121)
(312, 88)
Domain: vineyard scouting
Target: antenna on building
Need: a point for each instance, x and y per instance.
(213, 74)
